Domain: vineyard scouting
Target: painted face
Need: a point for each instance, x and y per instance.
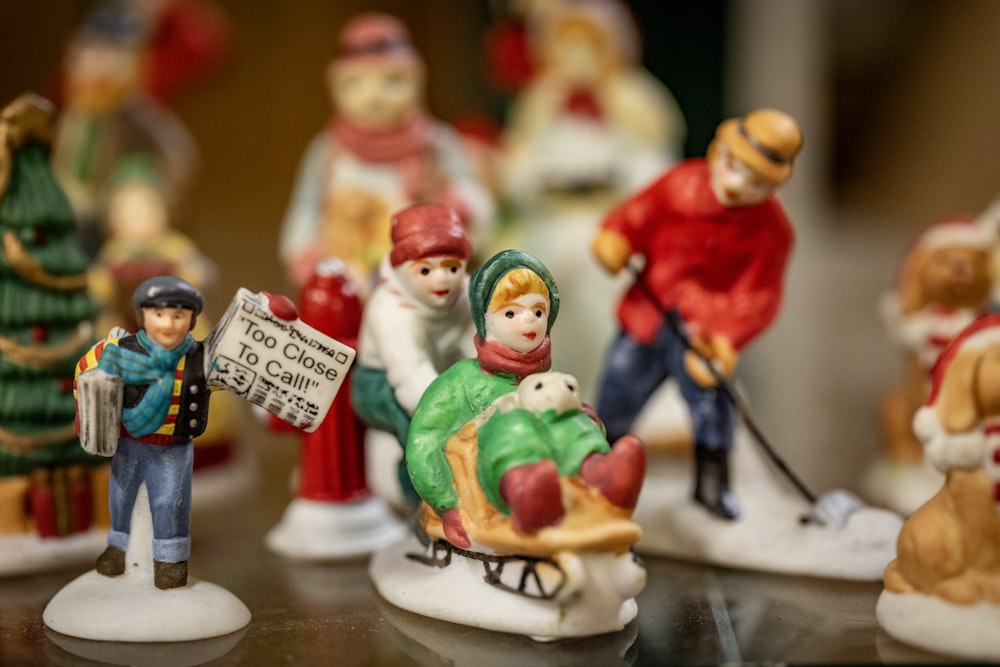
(137, 213)
(434, 281)
(167, 326)
(734, 183)
(377, 95)
(520, 324)
(100, 77)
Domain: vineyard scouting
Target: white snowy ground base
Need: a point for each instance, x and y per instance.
(27, 554)
(770, 536)
(129, 608)
(598, 596)
(928, 622)
(902, 487)
(313, 530)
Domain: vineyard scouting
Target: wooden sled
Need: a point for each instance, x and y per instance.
(591, 524)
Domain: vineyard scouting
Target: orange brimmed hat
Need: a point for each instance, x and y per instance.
(766, 140)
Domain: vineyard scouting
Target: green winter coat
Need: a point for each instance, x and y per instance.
(451, 401)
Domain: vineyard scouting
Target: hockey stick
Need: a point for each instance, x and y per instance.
(836, 506)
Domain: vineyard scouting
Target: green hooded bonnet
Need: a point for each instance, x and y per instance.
(484, 282)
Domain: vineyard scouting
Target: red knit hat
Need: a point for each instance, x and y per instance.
(375, 36)
(427, 230)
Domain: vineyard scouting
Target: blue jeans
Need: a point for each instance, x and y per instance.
(166, 470)
(633, 371)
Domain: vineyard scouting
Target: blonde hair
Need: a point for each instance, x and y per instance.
(515, 284)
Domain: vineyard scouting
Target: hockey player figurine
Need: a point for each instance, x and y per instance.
(381, 152)
(715, 242)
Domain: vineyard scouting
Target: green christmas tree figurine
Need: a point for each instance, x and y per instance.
(47, 481)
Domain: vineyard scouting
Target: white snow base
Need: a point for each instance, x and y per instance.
(902, 487)
(597, 598)
(28, 554)
(314, 530)
(129, 608)
(770, 536)
(933, 624)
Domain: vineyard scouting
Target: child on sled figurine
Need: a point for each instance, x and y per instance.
(715, 242)
(417, 321)
(517, 478)
(160, 418)
(514, 305)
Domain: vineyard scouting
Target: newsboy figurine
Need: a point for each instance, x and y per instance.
(164, 407)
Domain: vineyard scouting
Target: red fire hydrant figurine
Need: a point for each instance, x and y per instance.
(334, 514)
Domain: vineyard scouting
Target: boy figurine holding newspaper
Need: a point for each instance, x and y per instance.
(159, 373)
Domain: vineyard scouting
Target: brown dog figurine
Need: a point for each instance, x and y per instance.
(944, 284)
(950, 547)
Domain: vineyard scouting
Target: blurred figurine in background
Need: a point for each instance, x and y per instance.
(942, 592)
(715, 242)
(591, 127)
(417, 322)
(334, 513)
(107, 115)
(51, 491)
(380, 153)
(944, 284)
(141, 243)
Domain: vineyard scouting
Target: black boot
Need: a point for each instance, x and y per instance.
(111, 563)
(711, 485)
(170, 575)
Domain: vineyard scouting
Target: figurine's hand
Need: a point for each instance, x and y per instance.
(453, 530)
(612, 250)
(281, 306)
(719, 350)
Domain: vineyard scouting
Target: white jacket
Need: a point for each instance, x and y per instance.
(411, 341)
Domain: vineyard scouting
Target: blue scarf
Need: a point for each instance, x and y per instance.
(153, 366)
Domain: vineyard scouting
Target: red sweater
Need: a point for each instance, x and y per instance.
(721, 267)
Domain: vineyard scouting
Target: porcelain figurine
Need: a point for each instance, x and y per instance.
(942, 592)
(107, 115)
(142, 399)
(945, 282)
(517, 477)
(715, 243)
(50, 489)
(590, 128)
(381, 151)
(416, 324)
(334, 513)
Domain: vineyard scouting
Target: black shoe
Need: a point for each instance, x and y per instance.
(170, 575)
(711, 487)
(111, 563)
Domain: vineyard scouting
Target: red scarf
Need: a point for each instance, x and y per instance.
(498, 359)
(410, 146)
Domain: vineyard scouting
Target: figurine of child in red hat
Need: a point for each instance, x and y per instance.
(380, 152)
(417, 322)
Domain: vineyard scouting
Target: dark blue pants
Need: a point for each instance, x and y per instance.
(634, 371)
(166, 470)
